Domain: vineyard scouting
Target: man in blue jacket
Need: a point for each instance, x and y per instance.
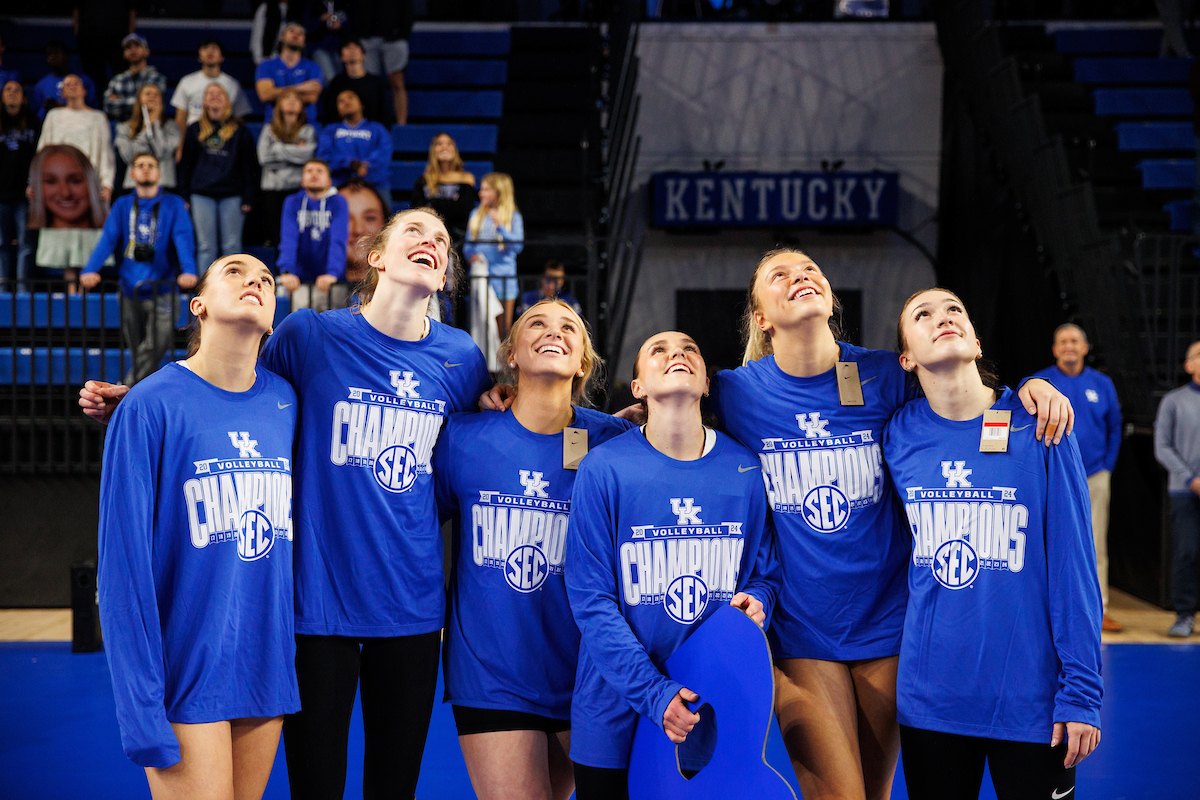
(312, 241)
(358, 148)
(1098, 430)
(152, 232)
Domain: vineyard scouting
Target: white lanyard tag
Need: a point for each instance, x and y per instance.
(994, 438)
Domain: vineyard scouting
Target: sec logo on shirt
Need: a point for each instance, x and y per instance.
(255, 536)
(686, 599)
(955, 564)
(396, 468)
(526, 568)
(826, 509)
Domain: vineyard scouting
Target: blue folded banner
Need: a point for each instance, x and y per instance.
(774, 199)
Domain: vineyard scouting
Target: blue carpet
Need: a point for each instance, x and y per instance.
(59, 738)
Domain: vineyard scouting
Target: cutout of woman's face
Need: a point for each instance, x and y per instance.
(367, 218)
(65, 192)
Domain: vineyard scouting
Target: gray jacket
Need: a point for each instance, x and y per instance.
(283, 163)
(159, 139)
(1177, 436)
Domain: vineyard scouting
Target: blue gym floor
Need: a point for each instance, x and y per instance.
(59, 739)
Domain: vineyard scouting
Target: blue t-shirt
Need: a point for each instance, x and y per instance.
(368, 546)
(654, 547)
(1097, 414)
(841, 538)
(195, 573)
(1002, 633)
(283, 75)
(511, 643)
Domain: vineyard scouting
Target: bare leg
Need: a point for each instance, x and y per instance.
(71, 276)
(399, 96)
(818, 716)
(508, 765)
(205, 771)
(509, 306)
(878, 731)
(255, 741)
(562, 772)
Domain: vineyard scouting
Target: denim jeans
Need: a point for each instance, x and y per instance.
(13, 217)
(148, 328)
(218, 224)
(1185, 527)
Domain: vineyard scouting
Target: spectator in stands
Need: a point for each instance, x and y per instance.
(47, 93)
(554, 275)
(1177, 448)
(284, 147)
(150, 234)
(312, 242)
(495, 235)
(446, 186)
(289, 68)
(85, 128)
(218, 174)
(6, 75)
(1097, 430)
(367, 217)
(68, 208)
(372, 90)
(326, 29)
(19, 130)
(269, 20)
(358, 148)
(100, 26)
(122, 91)
(188, 100)
(149, 130)
(384, 29)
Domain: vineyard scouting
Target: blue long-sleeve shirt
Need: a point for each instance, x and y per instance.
(170, 233)
(499, 244)
(368, 555)
(654, 546)
(367, 141)
(511, 642)
(195, 568)
(1097, 414)
(312, 236)
(1002, 632)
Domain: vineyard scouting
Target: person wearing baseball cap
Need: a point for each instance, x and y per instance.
(123, 89)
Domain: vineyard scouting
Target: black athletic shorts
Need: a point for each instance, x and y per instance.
(487, 720)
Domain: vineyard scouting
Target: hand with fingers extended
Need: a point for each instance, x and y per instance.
(751, 606)
(1081, 739)
(99, 399)
(498, 398)
(678, 720)
(1055, 416)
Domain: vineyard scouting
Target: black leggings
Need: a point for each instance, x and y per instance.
(947, 766)
(398, 677)
(598, 783)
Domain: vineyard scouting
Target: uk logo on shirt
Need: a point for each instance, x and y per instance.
(1092, 395)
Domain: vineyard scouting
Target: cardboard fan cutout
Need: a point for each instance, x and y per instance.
(728, 663)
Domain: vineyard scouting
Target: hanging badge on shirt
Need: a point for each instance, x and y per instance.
(575, 447)
(994, 438)
(849, 386)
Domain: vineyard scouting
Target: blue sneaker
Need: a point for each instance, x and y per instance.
(1183, 626)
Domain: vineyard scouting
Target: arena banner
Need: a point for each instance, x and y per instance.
(775, 199)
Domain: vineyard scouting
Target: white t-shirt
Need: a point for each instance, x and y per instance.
(189, 94)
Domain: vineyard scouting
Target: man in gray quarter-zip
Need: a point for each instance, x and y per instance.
(1177, 447)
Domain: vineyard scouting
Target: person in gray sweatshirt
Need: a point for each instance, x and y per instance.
(1177, 448)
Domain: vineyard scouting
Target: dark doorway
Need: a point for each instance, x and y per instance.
(713, 317)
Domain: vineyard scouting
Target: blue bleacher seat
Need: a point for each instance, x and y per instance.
(488, 41)
(1155, 136)
(1181, 215)
(1132, 70)
(164, 36)
(67, 366)
(405, 173)
(415, 138)
(1168, 173)
(1108, 40)
(58, 310)
(1143, 102)
(455, 72)
(457, 104)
